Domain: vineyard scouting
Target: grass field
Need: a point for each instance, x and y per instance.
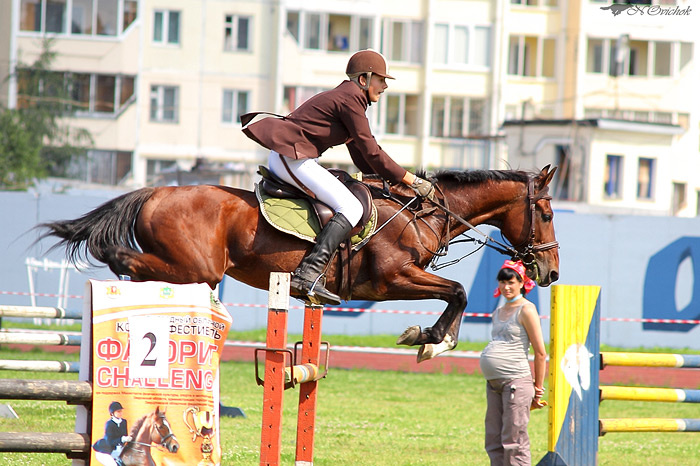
(377, 419)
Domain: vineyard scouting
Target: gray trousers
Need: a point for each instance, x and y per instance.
(507, 416)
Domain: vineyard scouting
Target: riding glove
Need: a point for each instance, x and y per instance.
(424, 188)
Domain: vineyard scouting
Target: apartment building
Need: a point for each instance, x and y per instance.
(609, 94)
(161, 84)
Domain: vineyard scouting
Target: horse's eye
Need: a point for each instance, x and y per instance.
(546, 217)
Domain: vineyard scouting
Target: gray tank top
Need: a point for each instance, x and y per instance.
(505, 357)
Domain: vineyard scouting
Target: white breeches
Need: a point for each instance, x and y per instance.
(321, 182)
(105, 459)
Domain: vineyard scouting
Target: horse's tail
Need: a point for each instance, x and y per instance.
(108, 226)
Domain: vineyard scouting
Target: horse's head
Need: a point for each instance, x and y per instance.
(537, 246)
(161, 433)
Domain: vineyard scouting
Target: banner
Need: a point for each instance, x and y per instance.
(156, 349)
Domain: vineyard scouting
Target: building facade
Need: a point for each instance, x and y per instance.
(161, 84)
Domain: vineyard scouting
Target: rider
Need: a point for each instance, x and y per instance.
(108, 448)
(296, 141)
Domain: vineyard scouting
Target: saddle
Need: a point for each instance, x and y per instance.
(276, 187)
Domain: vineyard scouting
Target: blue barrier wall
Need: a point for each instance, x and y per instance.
(647, 265)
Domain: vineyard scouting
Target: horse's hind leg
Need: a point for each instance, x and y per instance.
(144, 266)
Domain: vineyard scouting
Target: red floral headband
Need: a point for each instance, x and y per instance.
(519, 268)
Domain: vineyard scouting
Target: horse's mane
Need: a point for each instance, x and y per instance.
(478, 176)
(469, 176)
(137, 426)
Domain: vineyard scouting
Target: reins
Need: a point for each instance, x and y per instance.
(525, 251)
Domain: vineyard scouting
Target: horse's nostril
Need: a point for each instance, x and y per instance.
(553, 276)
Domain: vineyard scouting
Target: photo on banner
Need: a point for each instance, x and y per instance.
(156, 353)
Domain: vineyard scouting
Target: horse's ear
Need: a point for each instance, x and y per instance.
(545, 177)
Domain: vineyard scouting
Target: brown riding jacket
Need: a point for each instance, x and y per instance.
(327, 119)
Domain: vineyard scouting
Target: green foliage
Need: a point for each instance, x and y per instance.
(36, 140)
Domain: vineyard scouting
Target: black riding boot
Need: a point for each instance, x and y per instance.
(307, 277)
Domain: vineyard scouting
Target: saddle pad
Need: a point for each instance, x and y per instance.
(295, 217)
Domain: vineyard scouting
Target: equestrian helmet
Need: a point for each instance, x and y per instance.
(115, 406)
(367, 61)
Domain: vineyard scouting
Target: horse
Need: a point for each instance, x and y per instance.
(150, 429)
(199, 233)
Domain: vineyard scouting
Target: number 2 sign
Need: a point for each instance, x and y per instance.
(149, 342)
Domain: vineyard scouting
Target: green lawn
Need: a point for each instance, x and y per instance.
(378, 419)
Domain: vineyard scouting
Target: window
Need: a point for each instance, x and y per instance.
(81, 22)
(236, 33)
(453, 45)
(330, 32)
(482, 46)
(531, 56)
(79, 93)
(457, 117)
(613, 173)
(645, 178)
(293, 24)
(662, 59)
(440, 43)
(697, 204)
(164, 103)
(166, 27)
(131, 8)
(297, 95)
(234, 105)
(594, 60)
(460, 51)
(403, 41)
(53, 10)
(78, 17)
(105, 93)
(338, 33)
(101, 166)
(561, 178)
(155, 166)
(679, 200)
(312, 37)
(56, 16)
(401, 114)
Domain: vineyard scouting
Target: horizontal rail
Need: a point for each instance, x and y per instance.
(44, 442)
(26, 338)
(56, 390)
(649, 360)
(648, 425)
(39, 366)
(38, 311)
(677, 395)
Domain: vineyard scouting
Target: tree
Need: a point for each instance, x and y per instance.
(36, 138)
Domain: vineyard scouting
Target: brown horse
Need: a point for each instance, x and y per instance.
(199, 233)
(150, 429)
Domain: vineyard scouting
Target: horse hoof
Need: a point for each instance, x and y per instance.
(426, 352)
(409, 336)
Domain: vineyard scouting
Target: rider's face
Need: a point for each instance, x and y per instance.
(377, 85)
(118, 413)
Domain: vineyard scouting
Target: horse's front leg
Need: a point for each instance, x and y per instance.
(442, 336)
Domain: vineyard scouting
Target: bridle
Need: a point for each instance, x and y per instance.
(526, 250)
(163, 438)
(527, 254)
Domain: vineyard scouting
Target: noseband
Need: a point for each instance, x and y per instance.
(166, 437)
(527, 254)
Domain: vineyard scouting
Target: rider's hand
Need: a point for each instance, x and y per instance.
(423, 188)
(126, 438)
